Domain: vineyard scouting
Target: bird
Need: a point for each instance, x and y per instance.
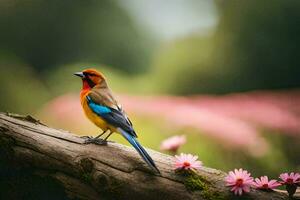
(101, 108)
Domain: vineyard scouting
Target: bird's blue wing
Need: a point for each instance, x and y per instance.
(112, 116)
(96, 108)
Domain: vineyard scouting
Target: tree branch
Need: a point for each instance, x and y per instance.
(58, 160)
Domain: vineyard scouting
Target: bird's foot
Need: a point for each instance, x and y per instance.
(91, 140)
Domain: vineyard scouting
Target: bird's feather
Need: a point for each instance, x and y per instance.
(103, 96)
(98, 109)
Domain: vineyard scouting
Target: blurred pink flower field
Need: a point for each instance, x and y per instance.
(235, 120)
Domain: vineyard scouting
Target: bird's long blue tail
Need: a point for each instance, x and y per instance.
(133, 141)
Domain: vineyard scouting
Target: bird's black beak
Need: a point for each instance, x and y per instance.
(80, 74)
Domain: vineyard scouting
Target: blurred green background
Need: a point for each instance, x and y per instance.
(157, 48)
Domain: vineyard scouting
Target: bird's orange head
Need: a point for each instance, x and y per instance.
(90, 78)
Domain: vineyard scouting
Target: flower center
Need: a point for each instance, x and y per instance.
(289, 181)
(265, 186)
(186, 164)
(239, 182)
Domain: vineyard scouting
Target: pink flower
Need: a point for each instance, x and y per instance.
(240, 180)
(187, 161)
(173, 143)
(293, 178)
(264, 184)
(290, 181)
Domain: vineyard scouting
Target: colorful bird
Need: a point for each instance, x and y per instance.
(103, 110)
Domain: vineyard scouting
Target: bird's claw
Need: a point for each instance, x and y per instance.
(99, 141)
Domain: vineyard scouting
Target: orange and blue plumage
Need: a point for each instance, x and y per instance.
(103, 110)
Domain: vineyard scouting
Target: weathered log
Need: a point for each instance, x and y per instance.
(56, 162)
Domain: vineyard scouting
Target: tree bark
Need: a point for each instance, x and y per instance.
(56, 162)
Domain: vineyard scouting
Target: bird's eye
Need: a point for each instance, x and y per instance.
(89, 74)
